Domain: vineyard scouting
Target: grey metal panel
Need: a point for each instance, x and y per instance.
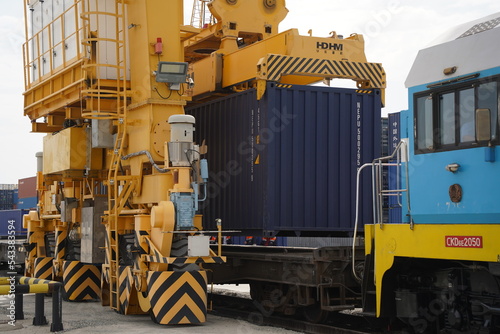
(318, 242)
(67, 206)
(469, 54)
(101, 133)
(93, 232)
(465, 29)
(287, 163)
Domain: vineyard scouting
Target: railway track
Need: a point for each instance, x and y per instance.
(250, 311)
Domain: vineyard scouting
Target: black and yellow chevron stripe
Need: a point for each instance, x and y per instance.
(284, 86)
(31, 247)
(280, 65)
(158, 257)
(127, 293)
(81, 281)
(109, 255)
(43, 268)
(180, 250)
(184, 260)
(143, 248)
(364, 91)
(124, 286)
(178, 297)
(60, 251)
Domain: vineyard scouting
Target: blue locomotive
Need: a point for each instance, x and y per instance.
(438, 268)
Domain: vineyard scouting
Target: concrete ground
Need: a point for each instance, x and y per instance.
(91, 317)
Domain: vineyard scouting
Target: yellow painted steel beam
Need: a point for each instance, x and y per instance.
(292, 59)
(428, 242)
(44, 128)
(55, 92)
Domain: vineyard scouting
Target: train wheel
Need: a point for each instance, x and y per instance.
(315, 314)
(178, 297)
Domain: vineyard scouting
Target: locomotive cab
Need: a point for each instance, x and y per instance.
(436, 266)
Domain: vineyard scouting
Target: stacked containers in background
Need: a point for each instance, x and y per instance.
(286, 164)
(8, 196)
(15, 198)
(27, 196)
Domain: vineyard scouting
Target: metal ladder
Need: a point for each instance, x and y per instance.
(396, 160)
(100, 90)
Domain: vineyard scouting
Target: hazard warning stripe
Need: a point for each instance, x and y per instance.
(31, 247)
(43, 268)
(280, 65)
(81, 281)
(60, 250)
(113, 236)
(124, 288)
(178, 297)
(184, 260)
(138, 235)
(158, 257)
(30, 280)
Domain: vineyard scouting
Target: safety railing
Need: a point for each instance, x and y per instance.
(54, 46)
(106, 70)
(395, 160)
(19, 285)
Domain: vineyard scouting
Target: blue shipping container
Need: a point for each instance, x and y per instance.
(15, 197)
(12, 218)
(286, 164)
(27, 203)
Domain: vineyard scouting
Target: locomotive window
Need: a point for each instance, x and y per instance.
(445, 116)
(467, 115)
(487, 98)
(424, 121)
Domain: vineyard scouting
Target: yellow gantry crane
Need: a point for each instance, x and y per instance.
(122, 177)
(107, 81)
(243, 50)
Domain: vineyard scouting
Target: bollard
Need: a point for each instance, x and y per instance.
(56, 325)
(19, 306)
(39, 319)
(39, 287)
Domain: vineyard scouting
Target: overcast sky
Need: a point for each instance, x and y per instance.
(394, 31)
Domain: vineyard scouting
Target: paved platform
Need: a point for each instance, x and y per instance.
(91, 317)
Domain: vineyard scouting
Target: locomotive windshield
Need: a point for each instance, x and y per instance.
(445, 117)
